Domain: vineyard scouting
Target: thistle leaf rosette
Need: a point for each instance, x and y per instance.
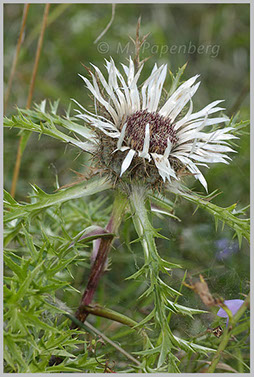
(138, 136)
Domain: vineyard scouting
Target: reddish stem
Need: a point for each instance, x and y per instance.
(101, 258)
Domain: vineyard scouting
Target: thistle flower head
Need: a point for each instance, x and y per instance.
(136, 136)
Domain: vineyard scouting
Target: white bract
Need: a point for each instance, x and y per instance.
(144, 129)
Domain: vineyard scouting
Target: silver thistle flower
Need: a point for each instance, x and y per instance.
(137, 132)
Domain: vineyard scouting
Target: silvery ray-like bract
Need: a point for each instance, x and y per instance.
(142, 127)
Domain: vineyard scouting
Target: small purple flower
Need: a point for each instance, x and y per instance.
(233, 306)
(226, 248)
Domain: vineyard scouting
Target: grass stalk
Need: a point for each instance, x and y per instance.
(16, 56)
(90, 327)
(29, 99)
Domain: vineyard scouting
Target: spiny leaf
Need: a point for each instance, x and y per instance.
(26, 283)
(146, 319)
(38, 120)
(167, 289)
(14, 267)
(176, 79)
(165, 349)
(138, 273)
(226, 215)
(184, 310)
(14, 350)
(189, 346)
(44, 200)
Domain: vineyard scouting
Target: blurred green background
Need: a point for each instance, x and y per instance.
(224, 69)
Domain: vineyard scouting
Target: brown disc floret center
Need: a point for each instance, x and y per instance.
(161, 129)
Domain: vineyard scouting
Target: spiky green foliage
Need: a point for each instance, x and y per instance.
(154, 265)
(48, 264)
(34, 327)
(42, 200)
(33, 280)
(49, 123)
(229, 215)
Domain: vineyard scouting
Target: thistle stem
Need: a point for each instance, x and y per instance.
(153, 263)
(146, 232)
(101, 257)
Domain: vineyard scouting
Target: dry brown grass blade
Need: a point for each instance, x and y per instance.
(30, 95)
(15, 59)
(108, 25)
(37, 56)
(138, 43)
(221, 366)
(55, 13)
